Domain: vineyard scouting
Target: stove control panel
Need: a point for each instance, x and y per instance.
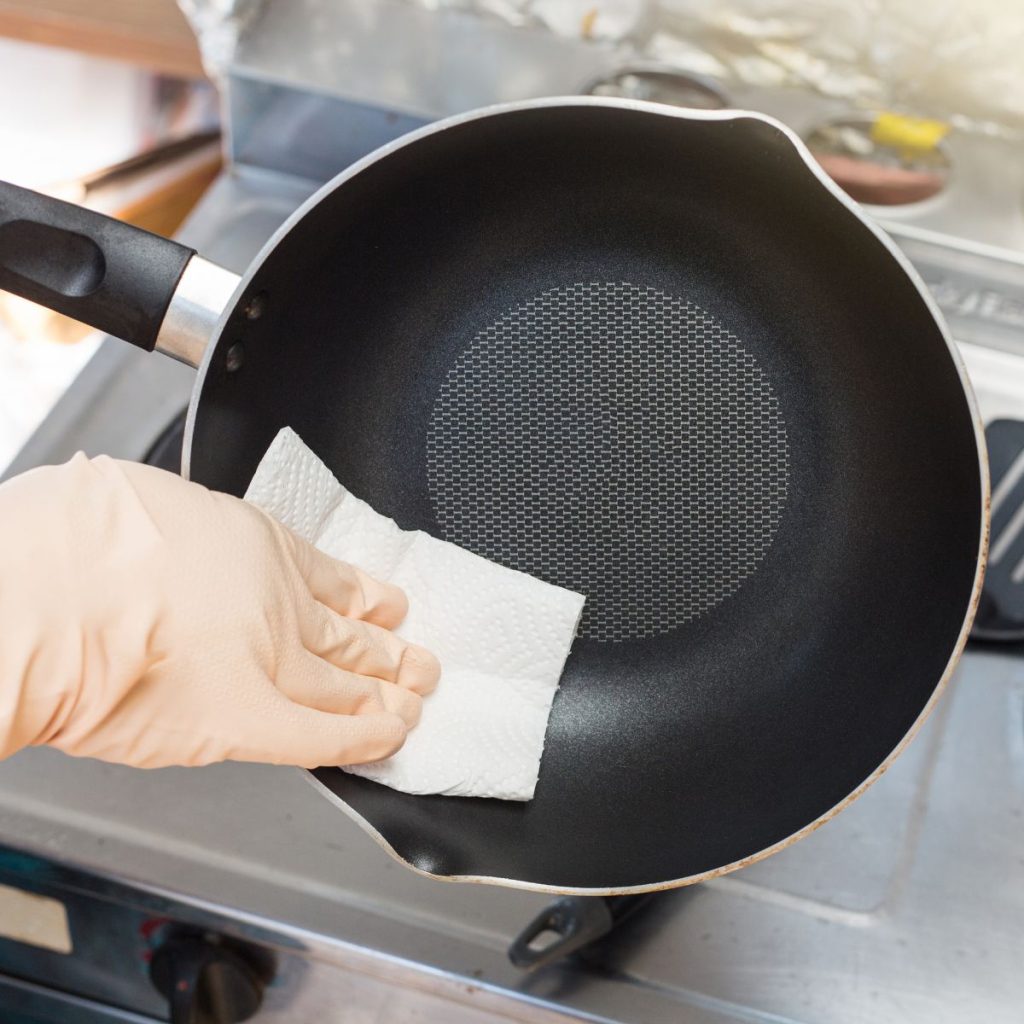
(208, 980)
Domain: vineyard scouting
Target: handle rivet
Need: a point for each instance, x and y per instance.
(255, 306)
(235, 357)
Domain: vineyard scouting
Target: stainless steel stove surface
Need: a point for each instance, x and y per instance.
(908, 907)
(905, 908)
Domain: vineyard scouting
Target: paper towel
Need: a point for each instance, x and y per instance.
(502, 637)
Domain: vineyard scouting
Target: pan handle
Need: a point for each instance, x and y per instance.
(573, 922)
(108, 274)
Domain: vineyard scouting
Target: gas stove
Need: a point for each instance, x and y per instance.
(909, 906)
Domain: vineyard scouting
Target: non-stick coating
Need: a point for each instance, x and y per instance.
(674, 755)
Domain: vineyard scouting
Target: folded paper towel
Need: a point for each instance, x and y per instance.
(502, 637)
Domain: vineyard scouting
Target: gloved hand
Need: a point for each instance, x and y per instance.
(149, 621)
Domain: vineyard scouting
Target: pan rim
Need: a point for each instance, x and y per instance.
(724, 115)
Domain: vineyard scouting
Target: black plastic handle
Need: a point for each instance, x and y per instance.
(110, 275)
(568, 925)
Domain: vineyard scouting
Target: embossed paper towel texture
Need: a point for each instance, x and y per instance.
(502, 636)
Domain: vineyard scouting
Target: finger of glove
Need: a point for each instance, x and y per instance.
(310, 680)
(348, 590)
(315, 683)
(310, 738)
(402, 702)
(370, 650)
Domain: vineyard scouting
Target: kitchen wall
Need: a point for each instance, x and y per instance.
(62, 114)
(65, 115)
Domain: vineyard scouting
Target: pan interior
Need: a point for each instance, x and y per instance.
(616, 440)
(653, 358)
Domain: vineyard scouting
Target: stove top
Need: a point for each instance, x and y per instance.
(909, 906)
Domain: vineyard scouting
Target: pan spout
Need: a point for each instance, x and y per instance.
(202, 294)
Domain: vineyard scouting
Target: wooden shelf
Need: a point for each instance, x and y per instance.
(151, 33)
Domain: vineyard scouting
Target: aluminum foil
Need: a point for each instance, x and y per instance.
(944, 59)
(218, 25)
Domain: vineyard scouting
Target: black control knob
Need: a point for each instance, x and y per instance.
(206, 982)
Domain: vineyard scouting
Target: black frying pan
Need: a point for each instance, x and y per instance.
(650, 354)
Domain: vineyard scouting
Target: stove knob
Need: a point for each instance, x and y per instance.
(205, 982)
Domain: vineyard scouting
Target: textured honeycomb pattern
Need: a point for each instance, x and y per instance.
(616, 440)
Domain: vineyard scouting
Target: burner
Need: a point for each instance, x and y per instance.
(658, 84)
(873, 168)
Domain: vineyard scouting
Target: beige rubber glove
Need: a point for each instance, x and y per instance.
(149, 621)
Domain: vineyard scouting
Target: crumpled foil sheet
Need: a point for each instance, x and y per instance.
(218, 24)
(942, 58)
